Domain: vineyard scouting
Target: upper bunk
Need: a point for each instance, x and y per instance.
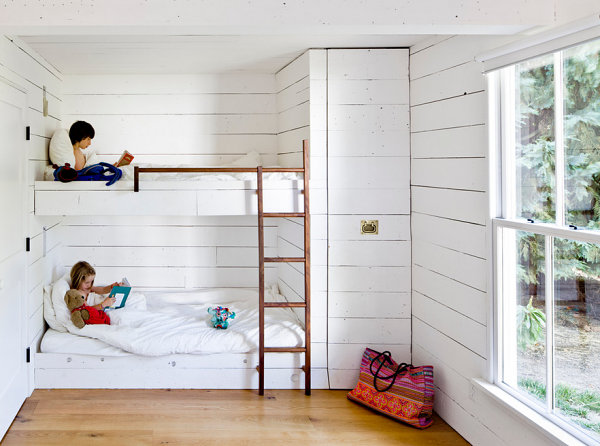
(181, 191)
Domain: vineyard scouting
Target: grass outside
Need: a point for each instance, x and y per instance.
(581, 407)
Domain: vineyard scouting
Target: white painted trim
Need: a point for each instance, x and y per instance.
(544, 425)
(542, 43)
(582, 235)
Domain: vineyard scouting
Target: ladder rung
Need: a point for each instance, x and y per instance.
(285, 259)
(283, 169)
(285, 349)
(285, 304)
(283, 214)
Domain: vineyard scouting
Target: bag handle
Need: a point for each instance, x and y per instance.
(387, 356)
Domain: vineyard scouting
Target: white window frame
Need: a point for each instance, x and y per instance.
(502, 186)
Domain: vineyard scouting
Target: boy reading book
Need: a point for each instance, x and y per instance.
(125, 159)
(120, 294)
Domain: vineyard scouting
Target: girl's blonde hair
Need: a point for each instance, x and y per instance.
(79, 272)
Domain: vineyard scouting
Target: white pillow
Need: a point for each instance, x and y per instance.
(251, 159)
(49, 314)
(61, 149)
(63, 315)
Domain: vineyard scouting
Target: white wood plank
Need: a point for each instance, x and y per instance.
(236, 221)
(241, 256)
(169, 84)
(142, 256)
(451, 53)
(453, 173)
(293, 72)
(318, 91)
(361, 278)
(369, 253)
(450, 352)
(294, 118)
(460, 80)
(460, 205)
(470, 270)
(369, 305)
(369, 142)
(38, 148)
(371, 201)
(458, 142)
(456, 326)
(349, 356)
(166, 236)
(226, 277)
(368, 64)
(35, 299)
(450, 402)
(36, 249)
(347, 227)
(459, 236)
(167, 104)
(367, 331)
(291, 142)
(460, 111)
(368, 117)
(343, 379)
(93, 203)
(371, 91)
(148, 378)
(172, 131)
(318, 63)
(294, 95)
(467, 300)
(369, 172)
(35, 325)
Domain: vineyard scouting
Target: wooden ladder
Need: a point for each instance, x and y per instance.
(261, 276)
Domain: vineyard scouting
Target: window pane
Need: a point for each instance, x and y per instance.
(524, 313)
(534, 140)
(582, 134)
(577, 333)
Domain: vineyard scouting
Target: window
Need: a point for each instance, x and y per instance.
(547, 235)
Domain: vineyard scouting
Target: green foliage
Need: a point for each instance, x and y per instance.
(530, 325)
(536, 159)
(582, 407)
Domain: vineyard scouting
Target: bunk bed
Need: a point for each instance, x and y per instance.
(64, 363)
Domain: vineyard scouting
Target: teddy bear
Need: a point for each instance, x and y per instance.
(82, 314)
(220, 316)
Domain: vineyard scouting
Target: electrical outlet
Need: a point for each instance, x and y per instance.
(369, 227)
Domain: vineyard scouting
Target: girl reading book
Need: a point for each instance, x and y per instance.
(82, 279)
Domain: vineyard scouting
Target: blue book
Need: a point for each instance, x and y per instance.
(120, 293)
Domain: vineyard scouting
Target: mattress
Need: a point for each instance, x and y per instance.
(178, 322)
(57, 342)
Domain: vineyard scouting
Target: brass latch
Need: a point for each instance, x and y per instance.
(369, 226)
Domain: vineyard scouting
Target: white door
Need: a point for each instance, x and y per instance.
(13, 270)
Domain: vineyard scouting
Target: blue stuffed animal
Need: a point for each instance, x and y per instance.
(95, 172)
(220, 316)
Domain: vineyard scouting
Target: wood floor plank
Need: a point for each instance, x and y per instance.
(192, 417)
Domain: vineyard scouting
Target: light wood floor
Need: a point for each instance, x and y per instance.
(229, 417)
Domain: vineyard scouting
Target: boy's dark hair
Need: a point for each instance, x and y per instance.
(81, 130)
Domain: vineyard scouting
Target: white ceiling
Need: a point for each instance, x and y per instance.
(137, 54)
(215, 36)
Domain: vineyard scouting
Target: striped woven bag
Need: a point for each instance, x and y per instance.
(402, 392)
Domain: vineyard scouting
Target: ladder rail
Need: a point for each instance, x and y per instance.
(261, 280)
(261, 284)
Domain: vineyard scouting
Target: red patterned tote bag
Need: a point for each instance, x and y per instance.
(402, 392)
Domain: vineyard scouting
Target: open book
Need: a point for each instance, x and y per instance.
(120, 293)
(125, 159)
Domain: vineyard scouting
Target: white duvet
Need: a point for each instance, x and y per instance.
(179, 323)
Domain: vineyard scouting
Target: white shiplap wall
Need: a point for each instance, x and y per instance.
(368, 178)
(449, 181)
(22, 66)
(301, 107)
(200, 120)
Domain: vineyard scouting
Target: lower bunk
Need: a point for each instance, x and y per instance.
(166, 340)
(73, 370)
